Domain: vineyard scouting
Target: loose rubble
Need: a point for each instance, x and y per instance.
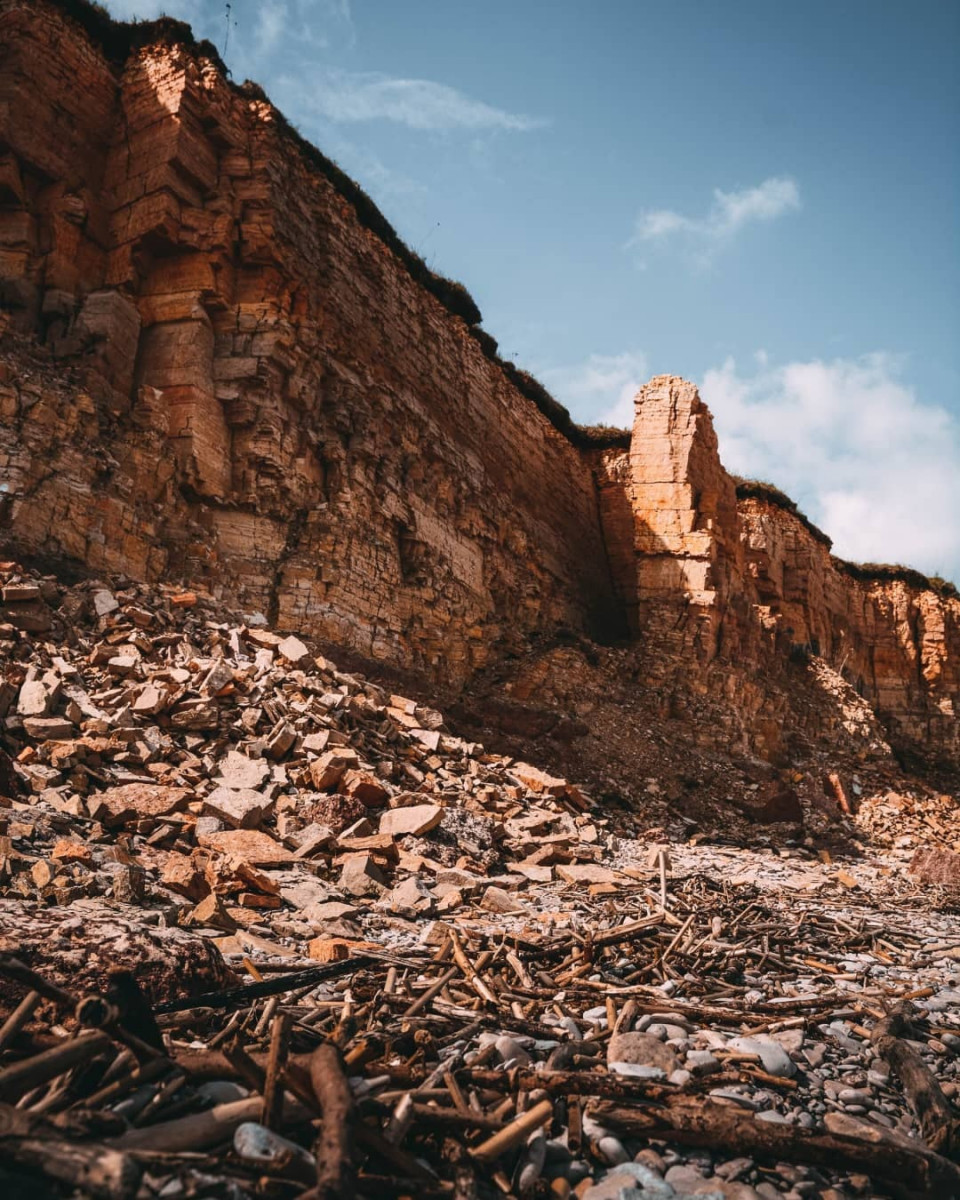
(269, 929)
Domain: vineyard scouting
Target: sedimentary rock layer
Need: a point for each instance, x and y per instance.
(262, 394)
(709, 581)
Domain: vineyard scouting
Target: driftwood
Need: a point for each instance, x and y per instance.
(937, 1121)
(845, 1144)
(198, 1131)
(39, 1146)
(336, 1178)
(239, 996)
(17, 1080)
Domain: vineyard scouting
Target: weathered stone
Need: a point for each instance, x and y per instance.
(253, 845)
(293, 650)
(538, 781)
(239, 772)
(78, 947)
(416, 820)
(118, 805)
(327, 770)
(34, 699)
(55, 728)
(936, 865)
(586, 873)
(362, 786)
(641, 1049)
(361, 876)
(241, 808)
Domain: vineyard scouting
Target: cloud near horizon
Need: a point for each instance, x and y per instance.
(729, 213)
(847, 439)
(350, 96)
(874, 467)
(611, 380)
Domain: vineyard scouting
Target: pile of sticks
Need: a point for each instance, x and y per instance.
(463, 1072)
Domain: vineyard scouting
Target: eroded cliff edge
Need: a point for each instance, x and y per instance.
(219, 366)
(262, 395)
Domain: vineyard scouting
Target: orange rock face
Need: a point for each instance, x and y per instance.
(242, 384)
(721, 590)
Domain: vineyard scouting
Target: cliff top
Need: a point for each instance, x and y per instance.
(119, 39)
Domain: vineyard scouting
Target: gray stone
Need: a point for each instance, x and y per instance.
(641, 1049)
(776, 1061)
(236, 771)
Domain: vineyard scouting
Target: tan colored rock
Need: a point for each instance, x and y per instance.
(538, 781)
(641, 1049)
(416, 820)
(327, 770)
(252, 845)
(365, 787)
(34, 699)
(241, 808)
(361, 876)
(936, 865)
(130, 801)
(293, 650)
(586, 873)
(240, 772)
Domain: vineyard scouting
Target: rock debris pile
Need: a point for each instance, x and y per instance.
(269, 929)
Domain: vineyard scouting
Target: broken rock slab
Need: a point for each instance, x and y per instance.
(417, 819)
(936, 865)
(240, 808)
(129, 801)
(250, 845)
(78, 947)
(237, 771)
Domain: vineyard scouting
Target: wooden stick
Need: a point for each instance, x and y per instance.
(238, 996)
(89, 1167)
(336, 1175)
(938, 1124)
(434, 989)
(195, 1132)
(276, 1059)
(513, 1134)
(19, 1079)
(845, 1144)
(18, 1018)
(466, 966)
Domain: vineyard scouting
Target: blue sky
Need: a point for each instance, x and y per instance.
(760, 196)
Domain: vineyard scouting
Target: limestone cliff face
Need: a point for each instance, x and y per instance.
(216, 366)
(720, 591)
(245, 385)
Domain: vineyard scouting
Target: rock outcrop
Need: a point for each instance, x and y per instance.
(719, 589)
(261, 394)
(220, 366)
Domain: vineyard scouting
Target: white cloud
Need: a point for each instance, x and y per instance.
(604, 383)
(849, 440)
(417, 103)
(729, 213)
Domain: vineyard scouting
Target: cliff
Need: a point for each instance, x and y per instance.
(246, 383)
(717, 587)
(221, 366)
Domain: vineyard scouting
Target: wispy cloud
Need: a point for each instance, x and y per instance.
(417, 103)
(852, 443)
(603, 384)
(729, 213)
